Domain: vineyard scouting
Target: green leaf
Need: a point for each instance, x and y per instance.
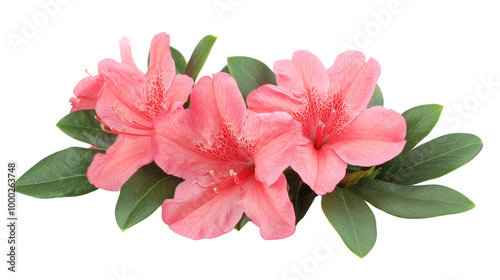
(82, 126)
(420, 121)
(377, 98)
(243, 221)
(432, 159)
(301, 195)
(352, 219)
(199, 56)
(412, 202)
(142, 194)
(180, 61)
(352, 178)
(225, 69)
(249, 73)
(61, 174)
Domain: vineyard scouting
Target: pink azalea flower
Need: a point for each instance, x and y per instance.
(128, 104)
(88, 89)
(232, 161)
(337, 129)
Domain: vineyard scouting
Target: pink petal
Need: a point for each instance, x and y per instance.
(179, 91)
(178, 146)
(86, 92)
(270, 208)
(111, 170)
(199, 213)
(161, 70)
(270, 98)
(303, 75)
(353, 81)
(121, 94)
(216, 102)
(126, 52)
(374, 137)
(320, 169)
(275, 138)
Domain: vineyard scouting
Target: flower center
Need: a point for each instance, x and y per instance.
(225, 183)
(320, 134)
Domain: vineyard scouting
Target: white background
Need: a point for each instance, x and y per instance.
(429, 51)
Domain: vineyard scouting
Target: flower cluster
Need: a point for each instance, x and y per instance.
(232, 157)
(251, 144)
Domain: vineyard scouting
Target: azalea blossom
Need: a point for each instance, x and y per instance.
(337, 129)
(88, 89)
(232, 161)
(128, 103)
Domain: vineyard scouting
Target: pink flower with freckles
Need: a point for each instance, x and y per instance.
(128, 103)
(337, 129)
(88, 89)
(232, 161)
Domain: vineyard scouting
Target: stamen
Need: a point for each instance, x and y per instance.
(212, 173)
(88, 72)
(231, 180)
(246, 173)
(132, 124)
(110, 130)
(319, 134)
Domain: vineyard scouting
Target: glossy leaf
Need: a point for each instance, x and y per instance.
(301, 195)
(180, 61)
(249, 73)
(61, 174)
(82, 125)
(352, 218)
(377, 98)
(199, 56)
(142, 194)
(432, 159)
(412, 202)
(420, 121)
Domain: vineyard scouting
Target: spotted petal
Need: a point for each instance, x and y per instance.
(353, 81)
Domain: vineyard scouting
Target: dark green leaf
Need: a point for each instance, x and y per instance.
(300, 194)
(420, 121)
(412, 202)
(303, 202)
(82, 126)
(249, 73)
(180, 61)
(142, 194)
(352, 219)
(377, 98)
(61, 174)
(243, 221)
(225, 69)
(432, 159)
(199, 56)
